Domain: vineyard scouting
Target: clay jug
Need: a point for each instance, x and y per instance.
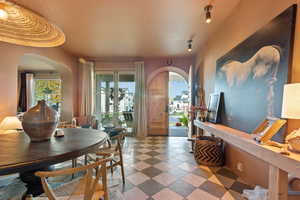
(40, 122)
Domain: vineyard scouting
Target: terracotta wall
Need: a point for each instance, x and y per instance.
(184, 63)
(247, 17)
(10, 56)
(151, 64)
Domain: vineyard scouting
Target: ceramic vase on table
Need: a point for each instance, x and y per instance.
(40, 122)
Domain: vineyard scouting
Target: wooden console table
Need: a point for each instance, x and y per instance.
(279, 165)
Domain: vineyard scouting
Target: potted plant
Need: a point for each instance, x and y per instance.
(184, 120)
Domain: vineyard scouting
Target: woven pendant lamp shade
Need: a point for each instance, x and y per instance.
(24, 27)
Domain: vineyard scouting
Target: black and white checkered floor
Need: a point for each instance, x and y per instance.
(162, 168)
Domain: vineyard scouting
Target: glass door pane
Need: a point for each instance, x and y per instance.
(126, 97)
(126, 92)
(104, 97)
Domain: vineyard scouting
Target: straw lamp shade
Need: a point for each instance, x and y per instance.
(21, 26)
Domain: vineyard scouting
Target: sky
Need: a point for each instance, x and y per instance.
(176, 87)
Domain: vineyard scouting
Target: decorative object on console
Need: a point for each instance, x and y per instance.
(11, 123)
(21, 26)
(40, 122)
(291, 110)
(203, 112)
(252, 74)
(199, 111)
(214, 109)
(267, 129)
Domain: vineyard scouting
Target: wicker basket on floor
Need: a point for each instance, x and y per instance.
(209, 151)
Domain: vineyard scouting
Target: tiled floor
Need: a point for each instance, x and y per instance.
(162, 168)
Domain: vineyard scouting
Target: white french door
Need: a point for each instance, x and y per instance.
(115, 92)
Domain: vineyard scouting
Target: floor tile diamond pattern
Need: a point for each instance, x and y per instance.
(161, 168)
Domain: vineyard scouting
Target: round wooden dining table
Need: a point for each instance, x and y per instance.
(19, 155)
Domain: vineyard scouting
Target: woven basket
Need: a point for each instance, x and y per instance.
(209, 151)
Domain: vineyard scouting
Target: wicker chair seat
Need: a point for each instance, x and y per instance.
(74, 191)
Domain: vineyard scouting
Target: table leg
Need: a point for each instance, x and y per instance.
(193, 145)
(278, 184)
(33, 183)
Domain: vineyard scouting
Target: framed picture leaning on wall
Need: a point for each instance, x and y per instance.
(214, 110)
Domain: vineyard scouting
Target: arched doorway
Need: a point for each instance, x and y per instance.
(46, 68)
(168, 102)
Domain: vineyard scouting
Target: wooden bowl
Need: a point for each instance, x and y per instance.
(294, 144)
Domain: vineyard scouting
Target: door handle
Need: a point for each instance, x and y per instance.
(167, 109)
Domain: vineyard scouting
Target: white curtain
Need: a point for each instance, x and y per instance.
(86, 86)
(29, 90)
(191, 100)
(140, 109)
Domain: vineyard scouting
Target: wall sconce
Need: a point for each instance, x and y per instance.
(207, 10)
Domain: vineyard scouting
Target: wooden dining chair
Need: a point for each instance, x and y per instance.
(86, 188)
(114, 149)
(88, 121)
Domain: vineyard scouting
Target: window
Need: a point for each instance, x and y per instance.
(48, 90)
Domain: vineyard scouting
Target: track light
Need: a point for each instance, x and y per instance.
(190, 45)
(207, 10)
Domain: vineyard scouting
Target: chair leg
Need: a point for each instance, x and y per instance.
(85, 159)
(123, 173)
(122, 167)
(74, 164)
(111, 169)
